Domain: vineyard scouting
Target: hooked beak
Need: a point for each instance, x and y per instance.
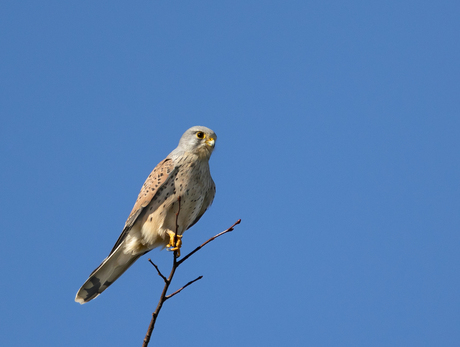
(211, 142)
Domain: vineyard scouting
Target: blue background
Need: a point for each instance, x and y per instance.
(338, 147)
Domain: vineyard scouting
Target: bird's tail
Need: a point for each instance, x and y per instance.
(105, 274)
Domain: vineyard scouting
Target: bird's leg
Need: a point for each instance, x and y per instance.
(174, 246)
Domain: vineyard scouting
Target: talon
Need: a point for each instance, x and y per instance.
(176, 249)
(171, 239)
(170, 246)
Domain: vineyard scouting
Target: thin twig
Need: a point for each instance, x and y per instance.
(158, 270)
(211, 239)
(166, 287)
(168, 280)
(158, 308)
(180, 289)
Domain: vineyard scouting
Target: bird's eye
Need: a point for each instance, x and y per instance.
(200, 135)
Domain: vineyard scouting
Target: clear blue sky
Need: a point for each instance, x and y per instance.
(338, 146)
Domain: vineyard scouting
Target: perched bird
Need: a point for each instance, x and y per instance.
(152, 223)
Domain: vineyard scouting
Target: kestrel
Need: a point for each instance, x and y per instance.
(152, 223)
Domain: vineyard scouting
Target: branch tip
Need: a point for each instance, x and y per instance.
(168, 280)
(158, 270)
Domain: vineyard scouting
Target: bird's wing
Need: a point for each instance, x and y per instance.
(153, 185)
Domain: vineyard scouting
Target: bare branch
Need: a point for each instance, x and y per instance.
(159, 306)
(158, 270)
(180, 289)
(168, 280)
(205, 243)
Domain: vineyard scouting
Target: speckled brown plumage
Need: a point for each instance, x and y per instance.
(185, 173)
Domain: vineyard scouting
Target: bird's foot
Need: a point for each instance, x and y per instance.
(174, 246)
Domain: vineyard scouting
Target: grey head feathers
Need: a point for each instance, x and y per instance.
(197, 140)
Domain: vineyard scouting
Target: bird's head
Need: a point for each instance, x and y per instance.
(198, 140)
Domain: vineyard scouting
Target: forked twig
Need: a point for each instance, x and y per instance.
(180, 289)
(158, 270)
(211, 239)
(176, 263)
